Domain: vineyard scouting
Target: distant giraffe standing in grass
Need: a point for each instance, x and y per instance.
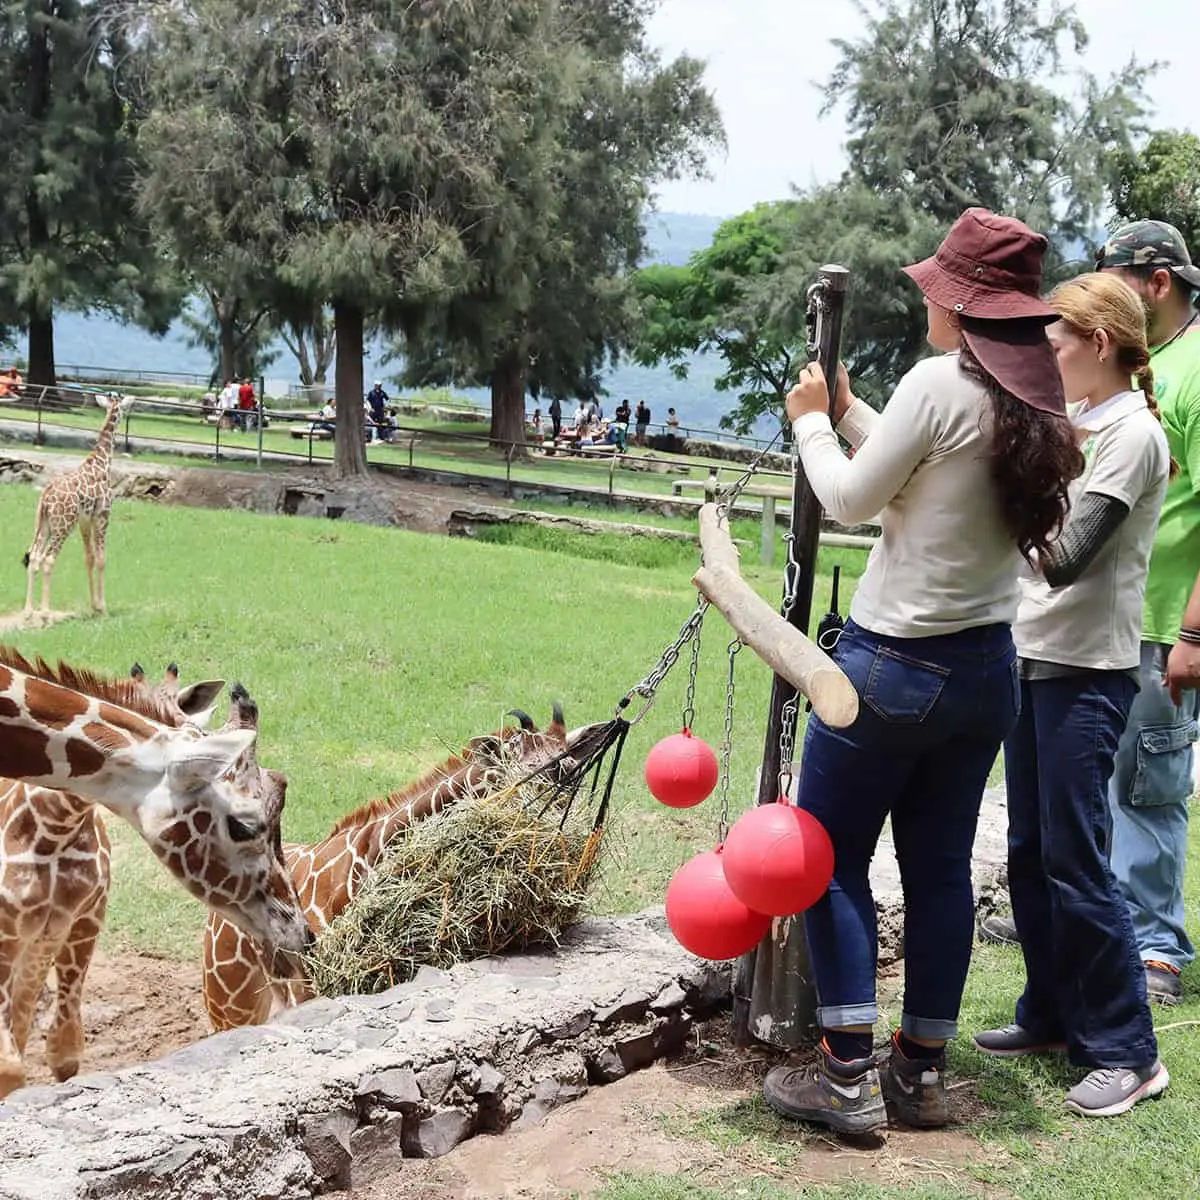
(81, 497)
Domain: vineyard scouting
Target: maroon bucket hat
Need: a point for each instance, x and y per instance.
(988, 271)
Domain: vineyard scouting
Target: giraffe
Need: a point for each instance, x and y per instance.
(201, 802)
(54, 879)
(80, 497)
(239, 989)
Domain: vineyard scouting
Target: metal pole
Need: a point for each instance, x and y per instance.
(773, 995)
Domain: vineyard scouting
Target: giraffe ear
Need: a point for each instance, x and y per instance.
(197, 701)
(203, 760)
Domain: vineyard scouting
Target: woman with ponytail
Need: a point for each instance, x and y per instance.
(968, 467)
(1078, 637)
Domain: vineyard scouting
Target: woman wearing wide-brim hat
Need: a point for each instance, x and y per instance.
(968, 467)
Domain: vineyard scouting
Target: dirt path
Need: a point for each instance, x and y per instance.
(698, 1116)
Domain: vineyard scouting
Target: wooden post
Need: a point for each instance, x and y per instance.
(774, 999)
(768, 531)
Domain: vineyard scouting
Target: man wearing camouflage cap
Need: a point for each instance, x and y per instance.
(1152, 780)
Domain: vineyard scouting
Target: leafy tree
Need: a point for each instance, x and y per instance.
(550, 306)
(343, 145)
(1162, 181)
(954, 103)
(744, 297)
(69, 237)
(237, 338)
(310, 337)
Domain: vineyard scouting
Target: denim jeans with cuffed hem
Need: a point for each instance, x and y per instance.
(932, 716)
(1148, 799)
(1084, 980)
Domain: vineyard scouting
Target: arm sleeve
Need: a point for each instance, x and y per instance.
(854, 490)
(857, 422)
(1189, 408)
(1094, 518)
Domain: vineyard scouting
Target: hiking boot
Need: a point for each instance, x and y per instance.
(916, 1088)
(1014, 1040)
(1000, 930)
(844, 1096)
(1163, 985)
(1111, 1091)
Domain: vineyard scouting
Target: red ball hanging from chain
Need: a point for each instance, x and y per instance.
(778, 859)
(681, 770)
(706, 917)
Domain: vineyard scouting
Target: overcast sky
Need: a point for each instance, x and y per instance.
(764, 55)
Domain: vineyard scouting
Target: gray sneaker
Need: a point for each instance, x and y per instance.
(1015, 1040)
(843, 1096)
(1111, 1091)
(1001, 930)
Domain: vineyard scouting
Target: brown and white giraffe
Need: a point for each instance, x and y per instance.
(201, 802)
(54, 882)
(82, 497)
(238, 988)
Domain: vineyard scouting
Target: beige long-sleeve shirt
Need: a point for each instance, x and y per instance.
(946, 561)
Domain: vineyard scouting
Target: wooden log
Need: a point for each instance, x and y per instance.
(781, 646)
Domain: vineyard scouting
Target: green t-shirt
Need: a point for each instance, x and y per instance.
(1175, 559)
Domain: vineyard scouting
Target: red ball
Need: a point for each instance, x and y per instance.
(681, 770)
(706, 917)
(778, 859)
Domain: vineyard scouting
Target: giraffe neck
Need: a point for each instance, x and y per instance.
(58, 738)
(101, 455)
(329, 873)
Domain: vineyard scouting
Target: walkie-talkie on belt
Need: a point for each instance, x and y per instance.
(829, 628)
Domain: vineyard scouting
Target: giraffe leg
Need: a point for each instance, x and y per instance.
(88, 534)
(12, 1069)
(64, 1041)
(99, 538)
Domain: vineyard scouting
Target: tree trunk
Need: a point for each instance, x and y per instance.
(227, 325)
(349, 451)
(41, 350)
(41, 309)
(508, 402)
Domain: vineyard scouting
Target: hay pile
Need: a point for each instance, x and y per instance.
(482, 877)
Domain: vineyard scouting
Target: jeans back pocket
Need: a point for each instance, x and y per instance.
(901, 689)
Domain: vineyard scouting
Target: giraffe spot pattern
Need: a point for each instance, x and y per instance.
(9, 708)
(124, 719)
(6, 679)
(83, 758)
(51, 705)
(26, 753)
(105, 736)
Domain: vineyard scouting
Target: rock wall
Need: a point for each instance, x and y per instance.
(337, 1091)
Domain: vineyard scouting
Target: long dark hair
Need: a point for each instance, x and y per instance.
(1034, 457)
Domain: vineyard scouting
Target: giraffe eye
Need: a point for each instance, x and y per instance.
(242, 831)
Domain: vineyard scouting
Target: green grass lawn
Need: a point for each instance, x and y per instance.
(375, 652)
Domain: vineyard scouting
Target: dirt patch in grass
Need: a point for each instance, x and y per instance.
(699, 1115)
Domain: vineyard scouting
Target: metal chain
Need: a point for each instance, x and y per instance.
(727, 745)
(730, 494)
(650, 685)
(689, 703)
(787, 739)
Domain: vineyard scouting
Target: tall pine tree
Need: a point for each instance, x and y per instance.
(69, 236)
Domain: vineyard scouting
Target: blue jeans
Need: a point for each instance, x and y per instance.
(934, 712)
(1084, 979)
(1148, 799)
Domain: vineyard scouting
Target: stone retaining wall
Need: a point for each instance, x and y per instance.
(336, 1091)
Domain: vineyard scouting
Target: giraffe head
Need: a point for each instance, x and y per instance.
(232, 859)
(532, 748)
(198, 800)
(116, 403)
